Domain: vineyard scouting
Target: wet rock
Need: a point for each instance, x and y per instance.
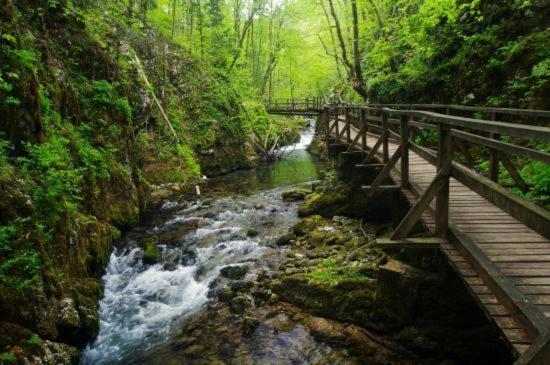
(194, 350)
(307, 225)
(240, 304)
(291, 271)
(210, 215)
(323, 329)
(295, 195)
(252, 232)
(282, 323)
(27, 347)
(188, 258)
(151, 253)
(68, 315)
(234, 272)
(396, 293)
(242, 285)
(226, 295)
(286, 238)
(249, 325)
(259, 206)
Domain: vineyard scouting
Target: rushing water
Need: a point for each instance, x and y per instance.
(143, 303)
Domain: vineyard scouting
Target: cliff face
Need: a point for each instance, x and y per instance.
(81, 139)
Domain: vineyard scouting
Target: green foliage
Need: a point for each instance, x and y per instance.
(6, 169)
(34, 340)
(51, 165)
(537, 175)
(186, 154)
(103, 94)
(332, 273)
(7, 358)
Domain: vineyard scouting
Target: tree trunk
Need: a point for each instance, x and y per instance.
(359, 81)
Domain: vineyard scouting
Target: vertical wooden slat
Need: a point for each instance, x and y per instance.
(364, 122)
(404, 151)
(336, 113)
(444, 161)
(348, 124)
(385, 148)
(493, 157)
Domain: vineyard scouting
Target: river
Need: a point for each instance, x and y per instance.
(145, 306)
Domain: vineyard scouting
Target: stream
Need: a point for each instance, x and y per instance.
(145, 306)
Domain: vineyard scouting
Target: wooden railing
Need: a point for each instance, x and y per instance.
(297, 105)
(404, 126)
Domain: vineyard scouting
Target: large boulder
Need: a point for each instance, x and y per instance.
(396, 293)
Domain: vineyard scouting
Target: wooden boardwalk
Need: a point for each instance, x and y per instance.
(495, 241)
(519, 252)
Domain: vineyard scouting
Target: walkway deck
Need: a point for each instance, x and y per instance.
(518, 252)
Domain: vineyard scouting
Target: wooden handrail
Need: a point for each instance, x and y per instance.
(505, 111)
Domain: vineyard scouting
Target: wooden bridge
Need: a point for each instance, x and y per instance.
(497, 242)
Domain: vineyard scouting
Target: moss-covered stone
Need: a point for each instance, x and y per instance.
(295, 195)
(307, 225)
(234, 272)
(151, 252)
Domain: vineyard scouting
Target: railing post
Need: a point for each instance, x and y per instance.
(385, 148)
(348, 124)
(326, 114)
(337, 128)
(444, 163)
(493, 156)
(365, 124)
(404, 151)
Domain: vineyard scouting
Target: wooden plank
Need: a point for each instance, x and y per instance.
(515, 250)
(521, 258)
(526, 272)
(523, 265)
(503, 146)
(540, 299)
(501, 286)
(480, 289)
(476, 280)
(534, 289)
(488, 299)
(496, 310)
(516, 335)
(486, 238)
(507, 322)
(538, 353)
(514, 130)
(532, 281)
(427, 242)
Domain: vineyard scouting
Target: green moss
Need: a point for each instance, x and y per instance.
(331, 272)
(307, 225)
(151, 253)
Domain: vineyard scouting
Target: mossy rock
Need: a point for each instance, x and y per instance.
(307, 225)
(286, 238)
(234, 272)
(240, 304)
(151, 253)
(295, 195)
(252, 232)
